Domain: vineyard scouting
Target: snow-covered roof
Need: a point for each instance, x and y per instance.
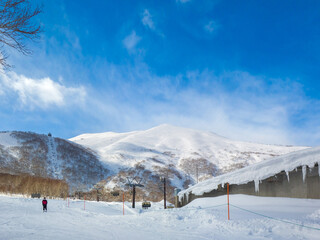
(259, 171)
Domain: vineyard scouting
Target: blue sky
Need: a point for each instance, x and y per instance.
(247, 70)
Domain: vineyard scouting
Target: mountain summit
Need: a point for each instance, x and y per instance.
(185, 155)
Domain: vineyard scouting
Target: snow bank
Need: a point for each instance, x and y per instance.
(260, 171)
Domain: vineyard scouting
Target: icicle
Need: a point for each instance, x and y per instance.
(304, 172)
(256, 185)
(288, 176)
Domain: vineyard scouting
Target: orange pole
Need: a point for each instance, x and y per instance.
(123, 203)
(228, 201)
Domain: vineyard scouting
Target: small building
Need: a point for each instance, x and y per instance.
(295, 175)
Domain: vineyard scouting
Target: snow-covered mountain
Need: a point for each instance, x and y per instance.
(45, 156)
(184, 155)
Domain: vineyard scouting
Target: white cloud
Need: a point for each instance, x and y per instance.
(131, 41)
(147, 20)
(39, 93)
(250, 111)
(183, 1)
(211, 26)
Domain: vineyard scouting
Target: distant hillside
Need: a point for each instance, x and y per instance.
(43, 156)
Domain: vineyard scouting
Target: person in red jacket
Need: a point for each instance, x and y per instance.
(44, 204)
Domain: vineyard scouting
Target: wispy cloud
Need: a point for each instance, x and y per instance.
(183, 1)
(211, 26)
(251, 111)
(131, 41)
(42, 93)
(147, 20)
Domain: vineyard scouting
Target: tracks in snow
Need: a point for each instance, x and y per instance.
(55, 163)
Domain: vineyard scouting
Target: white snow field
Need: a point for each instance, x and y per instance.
(206, 218)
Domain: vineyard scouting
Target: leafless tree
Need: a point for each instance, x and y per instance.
(198, 167)
(17, 25)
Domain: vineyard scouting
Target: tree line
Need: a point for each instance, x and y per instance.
(28, 185)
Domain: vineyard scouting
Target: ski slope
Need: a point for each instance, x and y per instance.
(206, 218)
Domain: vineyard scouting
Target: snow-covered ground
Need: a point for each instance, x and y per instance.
(205, 218)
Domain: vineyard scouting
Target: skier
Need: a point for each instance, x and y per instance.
(44, 204)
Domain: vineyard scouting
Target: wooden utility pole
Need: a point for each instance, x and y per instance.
(165, 195)
(163, 180)
(228, 201)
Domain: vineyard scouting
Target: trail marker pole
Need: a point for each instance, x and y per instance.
(228, 201)
(84, 203)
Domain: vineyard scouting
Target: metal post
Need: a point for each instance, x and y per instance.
(133, 183)
(133, 196)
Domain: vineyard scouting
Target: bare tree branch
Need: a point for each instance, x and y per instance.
(16, 26)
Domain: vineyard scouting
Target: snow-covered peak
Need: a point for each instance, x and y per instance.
(170, 145)
(174, 139)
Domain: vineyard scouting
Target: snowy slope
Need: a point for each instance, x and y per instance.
(206, 218)
(7, 140)
(168, 145)
(260, 171)
(45, 156)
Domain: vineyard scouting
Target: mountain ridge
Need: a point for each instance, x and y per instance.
(184, 156)
(183, 148)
